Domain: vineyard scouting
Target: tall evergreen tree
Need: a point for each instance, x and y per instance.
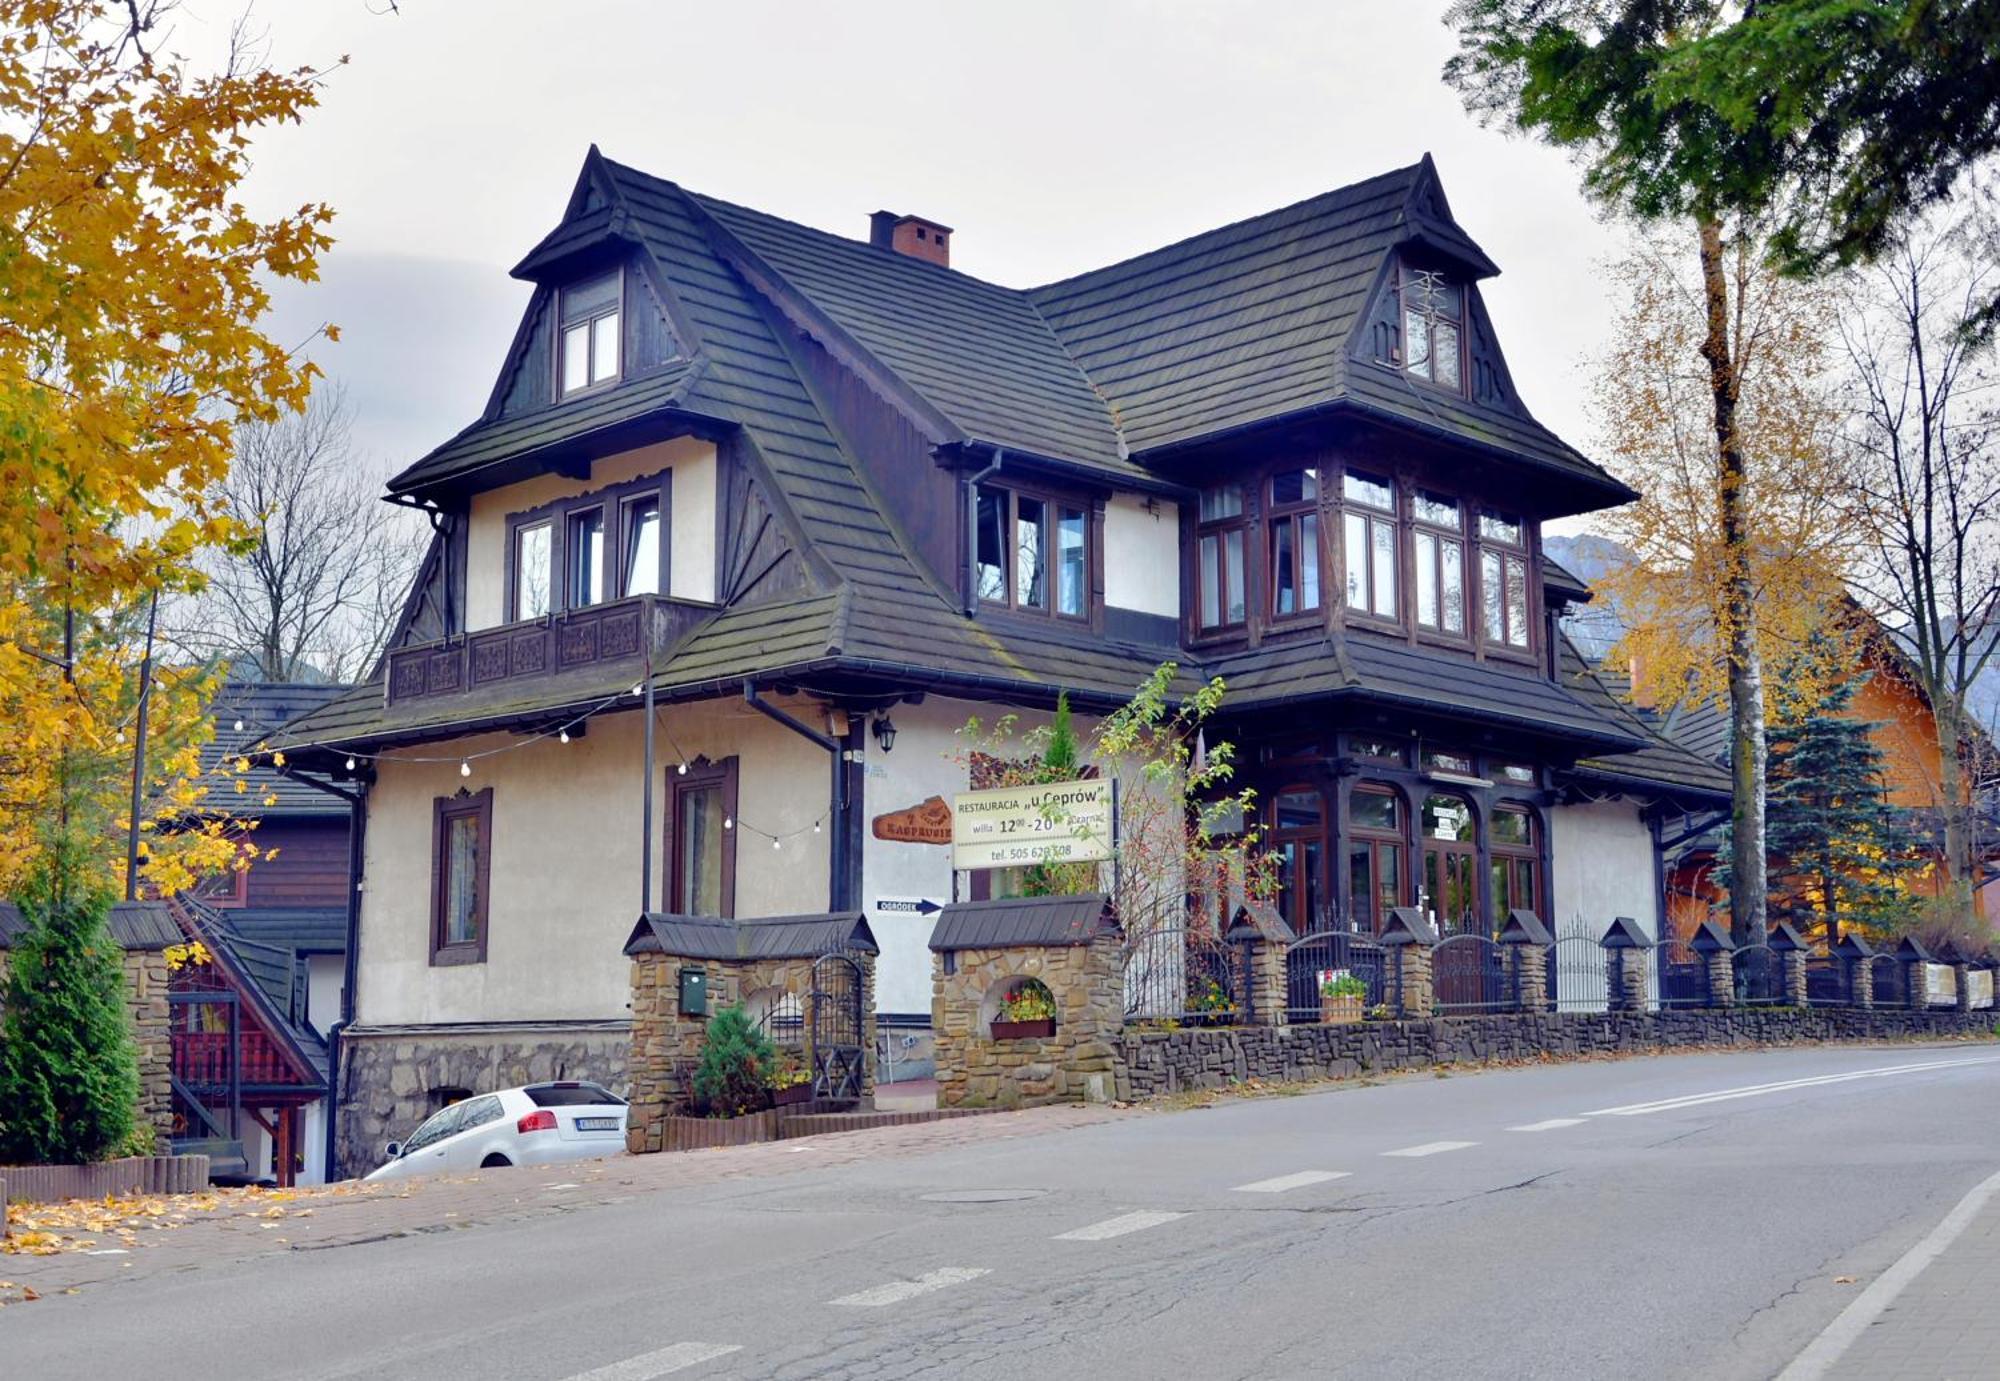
(1839, 852)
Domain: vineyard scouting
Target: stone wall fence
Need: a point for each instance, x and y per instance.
(782, 970)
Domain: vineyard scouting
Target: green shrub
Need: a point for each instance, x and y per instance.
(738, 1063)
(69, 1076)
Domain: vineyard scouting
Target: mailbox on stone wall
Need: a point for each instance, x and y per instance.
(694, 992)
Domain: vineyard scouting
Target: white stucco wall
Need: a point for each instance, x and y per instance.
(691, 525)
(1602, 859)
(325, 976)
(565, 862)
(1142, 556)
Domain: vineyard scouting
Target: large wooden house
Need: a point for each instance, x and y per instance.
(819, 499)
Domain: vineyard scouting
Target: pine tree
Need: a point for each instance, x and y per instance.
(69, 1076)
(1838, 851)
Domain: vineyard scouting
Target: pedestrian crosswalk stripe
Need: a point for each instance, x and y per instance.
(1119, 1226)
(1285, 1182)
(1431, 1148)
(896, 1291)
(1549, 1125)
(662, 1362)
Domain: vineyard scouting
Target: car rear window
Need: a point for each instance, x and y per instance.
(569, 1095)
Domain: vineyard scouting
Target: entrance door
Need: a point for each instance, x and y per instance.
(1451, 866)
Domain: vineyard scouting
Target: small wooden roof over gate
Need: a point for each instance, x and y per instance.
(759, 937)
(1012, 922)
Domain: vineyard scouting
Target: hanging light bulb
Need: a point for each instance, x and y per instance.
(638, 687)
(563, 737)
(350, 764)
(729, 822)
(239, 726)
(464, 768)
(121, 735)
(776, 843)
(815, 827)
(683, 769)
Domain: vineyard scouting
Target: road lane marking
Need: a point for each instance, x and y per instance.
(1119, 1226)
(896, 1291)
(1431, 1148)
(663, 1362)
(1822, 1352)
(1695, 1100)
(1285, 1182)
(1549, 1125)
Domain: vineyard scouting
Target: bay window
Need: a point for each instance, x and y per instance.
(1032, 553)
(1220, 546)
(589, 548)
(1293, 542)
(1503, 580)
(1439, 538)
(1368, 538)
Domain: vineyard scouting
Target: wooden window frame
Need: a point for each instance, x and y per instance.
(1375, 839)
(607, 553)
(1293, 515)
(560, 513)
(1504, 551)
(1053, 504)
(1404, 274)
(1440, 535)
(1530, 853)
(444, 809)
(702, 774)
(1243, 523)
(589, 323)
(1322, 833)
(1370, 516)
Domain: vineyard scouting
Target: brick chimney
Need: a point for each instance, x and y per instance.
(911, 235)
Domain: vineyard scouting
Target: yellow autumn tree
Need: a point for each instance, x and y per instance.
(132, 284)
(1652, 402)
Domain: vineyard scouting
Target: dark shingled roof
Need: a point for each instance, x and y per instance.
(762, 937)
(307, 929)
(1013, 921)
(270, 977)
(1658, 762)
(265, 708)
(135, 925)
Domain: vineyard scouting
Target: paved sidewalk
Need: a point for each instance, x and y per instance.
(1945, 1326)
(342, 1215)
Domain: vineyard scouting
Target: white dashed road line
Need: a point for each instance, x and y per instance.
(1550, 1125)
(1119, 1226)
(663, 1362)
(1695, 1100)
(896, 1291)
(1285, 1182)
(1431, 1148)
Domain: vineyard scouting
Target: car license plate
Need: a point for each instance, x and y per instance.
(597, 1124)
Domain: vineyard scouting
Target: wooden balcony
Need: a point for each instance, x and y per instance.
(603, 637)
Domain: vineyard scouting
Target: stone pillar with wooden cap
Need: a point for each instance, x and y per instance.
(1790, 948)
(1718, 955)
(1858, 957)
(1409, 939)
(1625, 949)
(1526, 941)
(1259, 934)
(1915, 959)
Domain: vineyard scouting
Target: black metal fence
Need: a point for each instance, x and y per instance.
(1579, 975)
(1316, 957)
(1892, 980)
(1184, 975)
(1683, 976)
(1760, 976)
(1828, 981)
(1470, 973)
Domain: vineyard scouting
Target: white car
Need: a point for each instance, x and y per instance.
(539, 1124)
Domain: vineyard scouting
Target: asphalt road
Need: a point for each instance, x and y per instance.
(1582, 1220)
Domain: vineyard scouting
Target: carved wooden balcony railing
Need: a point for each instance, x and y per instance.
(603, 636)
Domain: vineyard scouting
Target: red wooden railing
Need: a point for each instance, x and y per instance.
(202, 1057)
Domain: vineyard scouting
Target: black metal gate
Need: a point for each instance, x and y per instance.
(838, 1054)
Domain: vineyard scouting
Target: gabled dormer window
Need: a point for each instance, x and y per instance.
(1433, 315)
(587, 345)
(1032, 553)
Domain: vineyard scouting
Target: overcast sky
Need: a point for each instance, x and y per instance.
(1053, 136)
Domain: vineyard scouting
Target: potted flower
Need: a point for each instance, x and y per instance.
(1026, 1013)
(1341, 995)
(791, 1081)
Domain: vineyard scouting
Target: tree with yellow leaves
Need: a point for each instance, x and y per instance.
(133, 283)
(1738, 549)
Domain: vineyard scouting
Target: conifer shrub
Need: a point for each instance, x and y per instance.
(737, 1065)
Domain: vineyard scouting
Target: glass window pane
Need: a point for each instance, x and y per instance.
(1384, 602)
(1437, 760)
(604, 348)
(1361, 887)
(1452, 572)
(1491, 596)
(1309, 561)
(642, 547)
(1388, 878)
(1031, 574)
(990, 560)
(1417, 343)
(1447, 818)
(1223, 501)
(531, 570)
(1298, 810)
(1373, 810)
(1355, 530)
(586, 558)
(1427, 583)
(1517, 601)
(1284, 569)
(1499, 527)
(1211, 578)
(1374, 493)
(1526, 893)
(1515, 772)
(1510, 827)
(1070, 568)
(576, 358)
(1437, 510)
(698, 821)
(461, 894)
(1376, 749)
(1444, 350)
(1232, 548)
(1294, 487)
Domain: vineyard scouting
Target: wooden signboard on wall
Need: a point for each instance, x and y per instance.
(927, 822)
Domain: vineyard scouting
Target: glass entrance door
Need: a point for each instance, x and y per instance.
(1451, 866)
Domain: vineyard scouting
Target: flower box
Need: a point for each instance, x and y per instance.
(797, 1093)
(1024, 1030)
(1334, 1010)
